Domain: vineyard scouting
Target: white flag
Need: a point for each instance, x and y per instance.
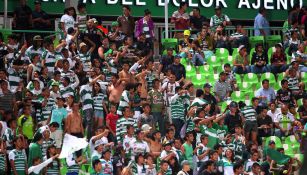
(37, 168)
(72, 144)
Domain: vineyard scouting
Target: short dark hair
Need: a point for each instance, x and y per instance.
(147, 12)
(182, 4)
(95, 162)
(265, 80)
(261, 10)
(81, 5)
(196, 8)
(208, 163)
(127, 7)
(283, 81)
(199, 92)
(237, 166)
(163, 162)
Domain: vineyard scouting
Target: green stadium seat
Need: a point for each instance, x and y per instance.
(291, 141)
(251, 78)
(238, 78)
(238, 96)
(190, 71)
(5, 34)
(253, 40)
(165, 52)
(270, 52)
(245, 86)
(304, 77)
(269, 76)
(213, 78)
(219, 69)
(235, 52)
(214, 61)
(272, 40)
(206, 69)
(300, 102)
(280, 77)
(184, 61)
(170, 42)
(288, 149)
(199, 80)
(222, 53)
(276, 139)
(229, 60)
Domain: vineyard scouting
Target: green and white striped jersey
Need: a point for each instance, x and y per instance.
(72, 166)
(121, 127)
(68, 90)
(86, 96)
(45, 145)
(2, 162)
(8, 137)
(123, 102)
(177, 107)
(86, 61)
(50, 60)
(249, 113)
(20, 160)
(46, 111)
(98, 100)
(31, 51)
(14, 79)
(54, 169)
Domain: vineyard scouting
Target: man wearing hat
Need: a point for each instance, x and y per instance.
(209, 98)
(36, 48)
(219, 18)
(97, 153)
(39, 17)
(139, 145)
(233, 118)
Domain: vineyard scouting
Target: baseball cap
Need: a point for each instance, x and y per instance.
(241, 47)
(278, 45)
(233, 104)
(185, 162)
(35, 79)
(37, 2)
(178, 56)
(37, 38)
(82, 44)
(187, 32)
(167, 143)
(55, 83)
(98, 142)
(207, 85)
(146, 127)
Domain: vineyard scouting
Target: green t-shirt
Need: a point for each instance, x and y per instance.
(213, 135)
(26, 124)
(156, 100)
(35, 151)
(239, 59)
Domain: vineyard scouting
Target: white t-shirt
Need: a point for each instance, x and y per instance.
(92, 145)
(273, 115)
(68, 21)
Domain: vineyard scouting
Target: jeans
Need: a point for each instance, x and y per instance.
(278, 69)
(197, 60)
(88, 121)
(239, 70)
(178, 125)
(259, 70)
(158, 118)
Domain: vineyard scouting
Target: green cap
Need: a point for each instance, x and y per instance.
(115, 23)
(55, 83)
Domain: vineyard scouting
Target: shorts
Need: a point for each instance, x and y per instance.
(99, 114)
(57, 136)
(251, 126)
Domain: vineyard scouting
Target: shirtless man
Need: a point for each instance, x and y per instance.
(126, 74)
(155, 144)
(115, 89)
(74, 122)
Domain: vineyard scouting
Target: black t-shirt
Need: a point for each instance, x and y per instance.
(117, 162)
(285, 96)
(166, 61)
(264, 121)
(39, 25)
(211, 100)
(257, 58)
(232, 120)
(183, 44)
(179, 71)
(143, 48)
(198, 22)
(23, 14)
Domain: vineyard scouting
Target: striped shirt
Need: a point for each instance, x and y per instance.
(86, 96)
(107, 167)
(14, 79)
(45, 145)
(46, 111)
(54, 169)
(123, 102)
(98, 101)
(86, 61)
(49, 58)
(121, 127)
(31, 51)
(67, 91)
(69, 74)
(149, 78)
(8, 139)
(20, 159)
(177, 107)
(293, 83)
(2, 162)
(249, 113)
(201, 151)
(72, 166)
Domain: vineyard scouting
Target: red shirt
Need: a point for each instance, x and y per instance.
(113, 119)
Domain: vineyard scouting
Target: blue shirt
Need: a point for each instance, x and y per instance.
(261, 23)
(58, 115)
(268, 93)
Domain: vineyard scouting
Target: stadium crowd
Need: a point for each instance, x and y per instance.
(143, 117)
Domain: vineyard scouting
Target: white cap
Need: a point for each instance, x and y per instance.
(241, 47)
(99, 142)
(146, 127)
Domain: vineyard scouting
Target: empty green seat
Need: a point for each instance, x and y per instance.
(280, 77)
(304, 77)
(198, 80)
(238, 96)
(214, 61)
(190, 71)
(253, 40)
(170, 42)
(288, 149)
(229, 60)
(245, 86)
(291, 141)
(269, 76)
(270, 52)
(165, 52)
(222, 53)
(213, 78)
(235, 52)
(206, 69)
(271, 40)
(251, 78)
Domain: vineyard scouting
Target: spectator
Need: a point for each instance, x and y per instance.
(241, 62)
(7, 98)
(166, 61)
(239, 37)
(261, 24)
(35, 150)
(145, 25)
(265, 124)
(219, 18)
(82, 17)
(206, 41)
(278, 60)
(302, 110)
(222, 88)
(284, 95)
(197, 20)
(196, 54)
(259, 60)
(126, 22)
(220, 38)
(181, 19)
(301, 57)
(250, 123)
(284, 122)
(68, 20)
(178, 69)
(273, 110)
(22, 17)
(40, 19)
(265, 94)
(17, 157)
(233, 117)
